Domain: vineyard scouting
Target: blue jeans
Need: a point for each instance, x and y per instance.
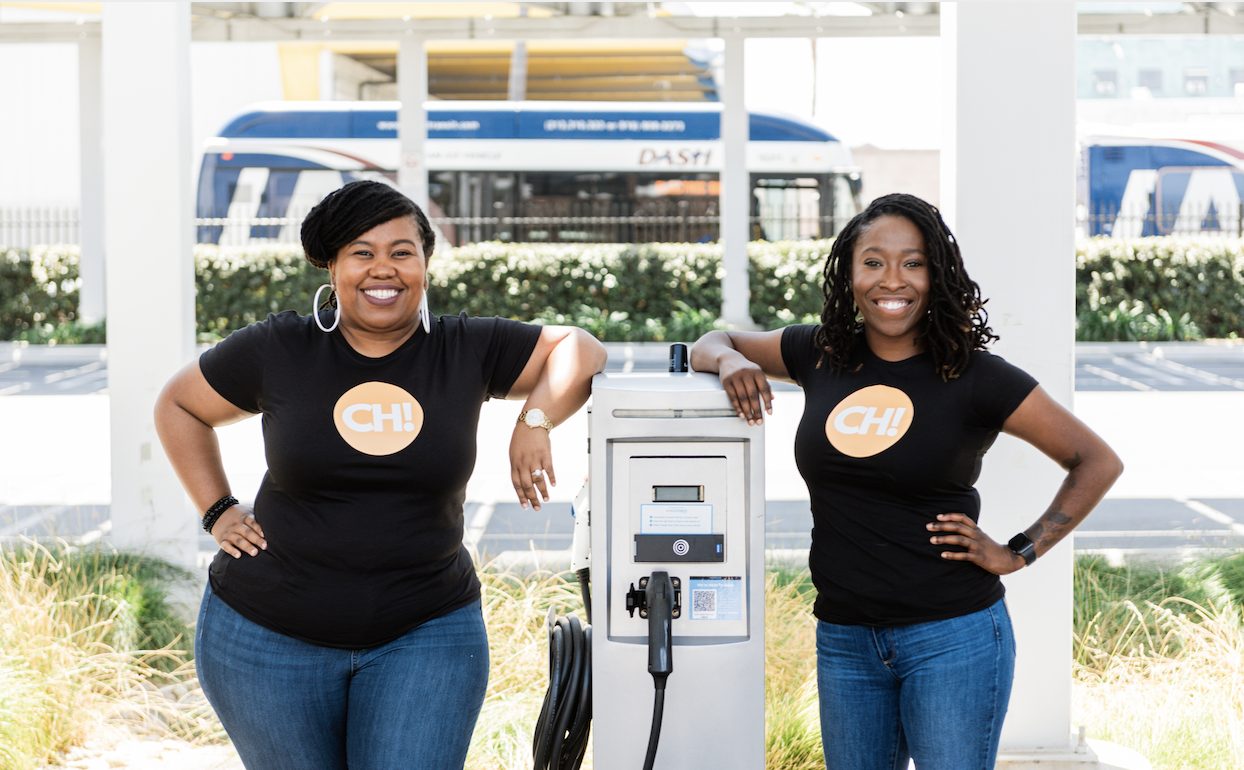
(934, 692)
(290, 705)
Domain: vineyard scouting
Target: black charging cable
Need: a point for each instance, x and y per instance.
(561, 734)
(659, 596)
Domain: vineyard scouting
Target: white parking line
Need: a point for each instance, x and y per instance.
(66, 374)
(95, 534)
(1080, 533)
(18, 527)
(1106, 374)
(479, 522)
(1213, 514)
(1147, 371)
(1197, 374)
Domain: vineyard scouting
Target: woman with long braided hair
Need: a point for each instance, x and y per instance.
(915, 653)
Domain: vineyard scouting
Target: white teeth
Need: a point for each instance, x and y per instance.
(893, 304)
(381, 293)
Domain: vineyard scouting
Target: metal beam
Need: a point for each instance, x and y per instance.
(1203, 23)
(1209, 21)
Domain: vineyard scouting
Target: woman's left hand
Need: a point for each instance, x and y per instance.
(980, 549)
(531, 465)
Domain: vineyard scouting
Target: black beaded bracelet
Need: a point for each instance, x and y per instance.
(218, 508)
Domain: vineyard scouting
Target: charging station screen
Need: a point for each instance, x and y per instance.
(678, 494)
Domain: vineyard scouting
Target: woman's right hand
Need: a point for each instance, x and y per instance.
(747, 387)
(236, 531)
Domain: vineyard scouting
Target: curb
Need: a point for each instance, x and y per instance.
(652, 353)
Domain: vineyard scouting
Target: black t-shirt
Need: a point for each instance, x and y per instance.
(885, 448)
(368, 460)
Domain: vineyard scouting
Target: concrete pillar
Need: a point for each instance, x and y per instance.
(735, 190)
(148, 208)
(91, 305)
(1008, 193)
(412, 131)
(517, 89)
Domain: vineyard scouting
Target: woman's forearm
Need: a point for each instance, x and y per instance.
(707, 351)
(1088, 480)
(194, 452)
(566, 379)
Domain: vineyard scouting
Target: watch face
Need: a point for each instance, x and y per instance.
(534, 418)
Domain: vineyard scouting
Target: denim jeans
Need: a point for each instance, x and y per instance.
(934, 692)
(410, 704)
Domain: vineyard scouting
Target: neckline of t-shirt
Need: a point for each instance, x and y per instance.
(912, 359)
(340, 340)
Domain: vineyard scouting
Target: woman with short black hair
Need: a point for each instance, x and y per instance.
(341, 625)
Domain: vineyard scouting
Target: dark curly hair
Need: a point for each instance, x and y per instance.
(348, 212)
(957, 323)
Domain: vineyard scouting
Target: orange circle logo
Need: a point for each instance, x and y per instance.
(377, 418)
(869, 421)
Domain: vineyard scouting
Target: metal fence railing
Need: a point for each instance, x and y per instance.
(1209, 220)
(27, 227)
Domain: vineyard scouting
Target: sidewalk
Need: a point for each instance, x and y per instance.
(133, 753)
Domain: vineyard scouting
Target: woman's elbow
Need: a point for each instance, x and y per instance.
(592, 350)
(1116, 466)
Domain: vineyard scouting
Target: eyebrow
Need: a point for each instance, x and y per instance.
(921, 252)
(361, 242)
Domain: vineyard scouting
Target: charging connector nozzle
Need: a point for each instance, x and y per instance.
(660, 600)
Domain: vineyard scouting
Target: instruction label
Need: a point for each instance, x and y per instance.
(716, 598)
(676, 518)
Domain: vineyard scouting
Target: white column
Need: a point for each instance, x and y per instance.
(1010, 126)
(412, 131)
(91, 305)
(517, 90)
(735, 190)
(148, 207)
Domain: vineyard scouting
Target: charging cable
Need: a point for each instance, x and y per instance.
(561, 735)
(659, 596)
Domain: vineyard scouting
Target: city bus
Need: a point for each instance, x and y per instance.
(528, 171)
(1133, 186)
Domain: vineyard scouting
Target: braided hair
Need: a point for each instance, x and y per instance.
(348, 212)
(957, 323)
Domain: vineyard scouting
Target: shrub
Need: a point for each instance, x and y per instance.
(1141, 289)
(1160, 288)
(38, 292)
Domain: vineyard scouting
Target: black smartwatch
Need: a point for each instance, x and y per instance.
(1023, 545)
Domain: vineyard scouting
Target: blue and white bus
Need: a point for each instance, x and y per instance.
(528, 171)
(1139, 186)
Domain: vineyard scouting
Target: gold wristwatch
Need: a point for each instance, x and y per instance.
(535, 418)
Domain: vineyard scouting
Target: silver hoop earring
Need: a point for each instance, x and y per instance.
(425, 317)
(315, 309)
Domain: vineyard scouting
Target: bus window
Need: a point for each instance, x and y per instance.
(788, 207)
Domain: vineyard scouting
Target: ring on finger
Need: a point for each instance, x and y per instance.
(538, 473)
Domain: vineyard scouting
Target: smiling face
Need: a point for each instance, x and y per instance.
(380, 279)
(890, 284)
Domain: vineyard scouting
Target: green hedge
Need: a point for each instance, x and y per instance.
(1150, 288)
(1160, 288)
(38, 292)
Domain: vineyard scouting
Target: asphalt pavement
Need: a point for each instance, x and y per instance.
(1174, 412)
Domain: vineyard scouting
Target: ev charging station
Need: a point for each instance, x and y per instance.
(677, 489)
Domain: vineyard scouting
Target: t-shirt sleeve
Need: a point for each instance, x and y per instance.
(799, 351)
(998, 388)
(234, 366)
(503, 348)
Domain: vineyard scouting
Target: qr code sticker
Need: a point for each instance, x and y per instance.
(704, 603)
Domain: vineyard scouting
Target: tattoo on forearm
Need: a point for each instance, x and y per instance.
(1050, 528)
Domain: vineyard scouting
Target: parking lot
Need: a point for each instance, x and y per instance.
(1182, 492)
